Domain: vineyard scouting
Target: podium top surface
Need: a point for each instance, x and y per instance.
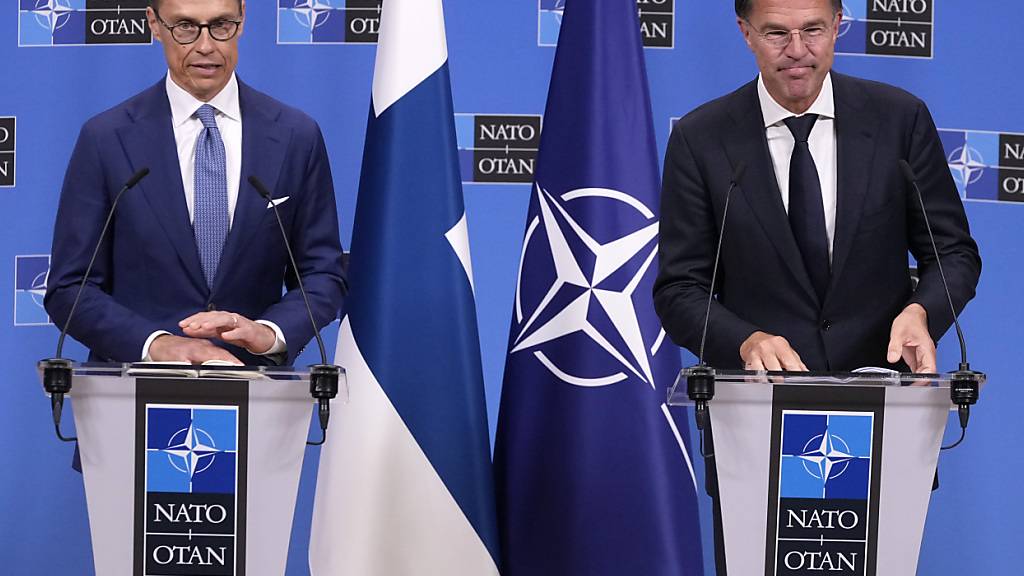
(182, 370)
(677, 395)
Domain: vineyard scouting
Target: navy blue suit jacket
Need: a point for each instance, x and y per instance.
(762, 282)
(147, 276)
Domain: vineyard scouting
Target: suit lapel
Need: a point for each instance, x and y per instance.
(747, 142)
(855, 151)
(264, 143)
(149, 141)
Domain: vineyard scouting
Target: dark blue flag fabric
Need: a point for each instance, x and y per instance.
(592, 468)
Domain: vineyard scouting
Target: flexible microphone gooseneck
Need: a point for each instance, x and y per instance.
(57, 370)
(964, 383)
(323, 377)
(700, 384)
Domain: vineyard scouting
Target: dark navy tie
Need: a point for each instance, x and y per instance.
(806, 210)
(211, 194)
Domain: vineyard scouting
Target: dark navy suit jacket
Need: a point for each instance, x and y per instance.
(147, 275)
(762, 282)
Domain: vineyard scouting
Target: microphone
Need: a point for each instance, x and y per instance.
(323, 377)
(964, 383)
(57, 370)
(700, 385)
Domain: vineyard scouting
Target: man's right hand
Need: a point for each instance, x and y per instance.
(763, 351)
(170, 348)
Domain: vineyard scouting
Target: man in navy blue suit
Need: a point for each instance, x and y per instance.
(193, 267)
(814, 262)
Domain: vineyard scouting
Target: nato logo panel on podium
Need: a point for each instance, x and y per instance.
(823, 507)
(82, 22)
(824, 479)
(191, 468)
(190, 489)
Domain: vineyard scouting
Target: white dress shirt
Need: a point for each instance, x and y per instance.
(822, 143)
(187, 128)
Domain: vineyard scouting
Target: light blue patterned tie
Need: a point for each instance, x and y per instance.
(211, 194)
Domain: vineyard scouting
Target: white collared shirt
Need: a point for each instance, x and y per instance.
(822, 143)
(187, 128)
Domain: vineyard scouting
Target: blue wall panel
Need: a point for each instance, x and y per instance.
(971, 83)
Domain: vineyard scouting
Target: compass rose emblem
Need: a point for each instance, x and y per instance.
(967, 165)
(191, 450)
(312, 14)
(594, 292)
(52, 14)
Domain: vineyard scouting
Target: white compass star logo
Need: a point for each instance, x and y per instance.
(967, 165)
(846, 22)
(558, 10)
(52, 14)
(191, 450)
(312, 13)
(826, 456)
(38, 288)
(594, 277)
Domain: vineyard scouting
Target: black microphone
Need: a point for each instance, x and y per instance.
(57, 370)
(323, 377)
(964, 383)
(700, 385)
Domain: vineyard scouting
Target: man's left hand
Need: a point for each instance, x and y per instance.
(231, 328)
(909, 339)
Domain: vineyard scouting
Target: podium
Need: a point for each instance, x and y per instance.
(190, 473)
(824, 473)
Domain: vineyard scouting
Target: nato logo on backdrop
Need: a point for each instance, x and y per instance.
(986, 166)
(657, 22)
(497, 149)
(7, 149)
(328, 21)
(30, 274)
(82, 22)
(901, 28)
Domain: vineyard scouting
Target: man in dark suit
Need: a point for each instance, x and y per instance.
(194, 266)
(814, 265)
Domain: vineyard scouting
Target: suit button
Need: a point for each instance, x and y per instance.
(210, 307)
(826, 325)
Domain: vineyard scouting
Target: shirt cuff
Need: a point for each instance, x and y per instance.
(280, 346)
(149, 342)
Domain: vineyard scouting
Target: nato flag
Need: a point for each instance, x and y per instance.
(593, 471)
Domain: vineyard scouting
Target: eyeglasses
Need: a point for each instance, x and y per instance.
(810, 36)
(187, 32)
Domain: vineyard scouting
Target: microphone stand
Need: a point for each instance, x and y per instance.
(323, 377)
(57, 370)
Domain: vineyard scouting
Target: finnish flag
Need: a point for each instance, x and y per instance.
(405, 485)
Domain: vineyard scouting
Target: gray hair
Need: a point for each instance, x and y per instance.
(743, 7)
(155, 4)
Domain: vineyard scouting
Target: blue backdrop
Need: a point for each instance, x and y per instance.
(66, 60)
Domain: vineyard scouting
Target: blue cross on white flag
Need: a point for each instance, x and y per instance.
(592, 468)
(405, 484)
